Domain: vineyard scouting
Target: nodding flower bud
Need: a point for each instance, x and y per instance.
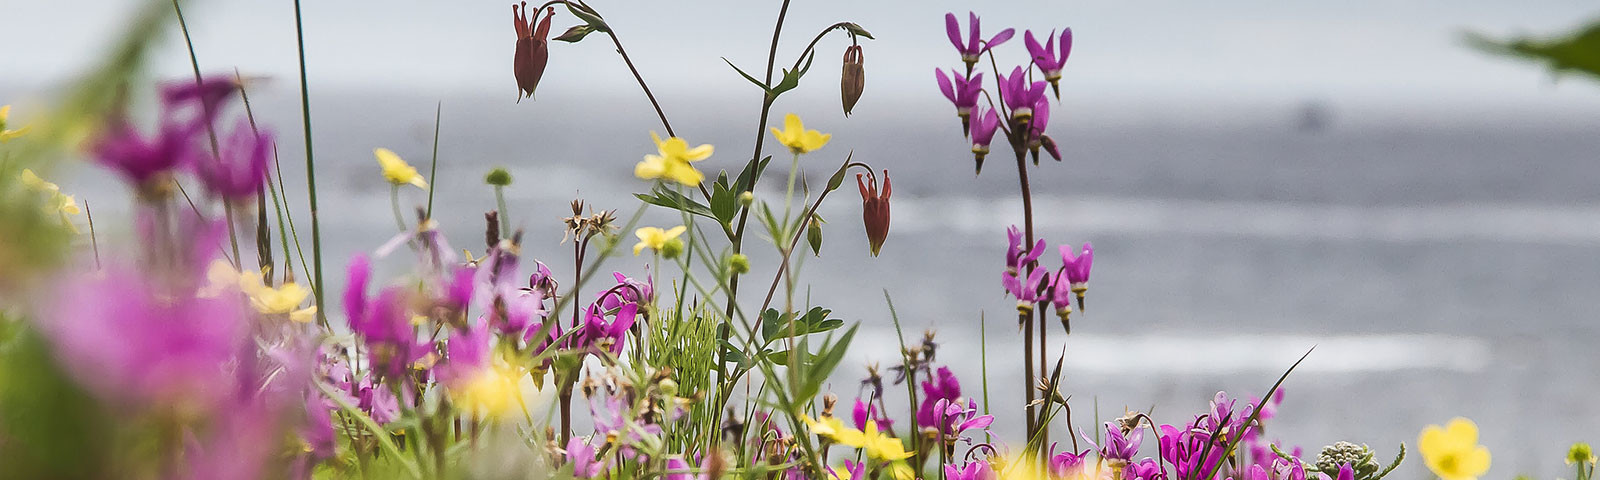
(814, 235)
(875, 210)
(498, 177)
(852, 79)
(533, 47)
(672, 248)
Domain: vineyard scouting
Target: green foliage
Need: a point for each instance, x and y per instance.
(49, 427)
(1578, 51)
(662, 196)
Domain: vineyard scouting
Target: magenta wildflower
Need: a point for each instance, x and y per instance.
(132, 341)
(627, 291)
(1020, 96)
(678, 469)
(974, 470)
(143, 161)
(1045, 57)
(1066, 464)
(466, 355)
(972, 49)
(237, 446)
(608, 335)
(865, 410)
(200, 101)
(988, 122)
(1145, 469)
(855, 470)
(955, 418)
(379, 403)
(581, 456)
(242, 168)
(1025, 289)
(1118, 446)
(963, 93)
(1037, 139)
(385, 323)
(1076, 269)
(942, 386)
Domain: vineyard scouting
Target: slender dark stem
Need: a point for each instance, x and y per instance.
(211, 132)
(1027, 319)
(93, 240)
(659, 113)
(433, 172)
(311, 167)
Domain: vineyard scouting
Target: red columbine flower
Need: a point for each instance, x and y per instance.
(875, 210)
(533, 48)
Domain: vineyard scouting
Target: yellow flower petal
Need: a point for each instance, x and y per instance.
(396, 170)
(304, 315)
(795, 136)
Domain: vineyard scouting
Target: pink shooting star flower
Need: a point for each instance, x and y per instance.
(963, 92)
(240, 171)
(972, 48)
(1045, 57)
(983, 134)
(1020, 96)
(1076, 269)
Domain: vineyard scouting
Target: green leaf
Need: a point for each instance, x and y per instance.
(747, 76)
(791, 78)
(751, 174)
(1578, 51)
(826, 361)
(590, 17)
(838, 176)
(724, 202)
(664, 197)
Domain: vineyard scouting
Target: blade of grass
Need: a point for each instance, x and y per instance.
(433, 172)
(311, 165)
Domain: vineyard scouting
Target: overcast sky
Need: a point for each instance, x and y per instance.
(1362, 51)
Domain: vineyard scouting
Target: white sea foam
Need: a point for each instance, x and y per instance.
(1535, 224)
(1218, 355)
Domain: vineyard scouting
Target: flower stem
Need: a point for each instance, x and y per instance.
(394, 202)
(433, 172)
(505, 221)
(311, 166)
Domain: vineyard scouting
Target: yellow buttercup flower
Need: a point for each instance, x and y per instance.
(284, 299)
(655, 238)
(880, 446)
(795, 136)
(831, 428)
(59, 203)
(1452, 452)
(396, 170)
(671, 161)
(493, 393)
(7, 134)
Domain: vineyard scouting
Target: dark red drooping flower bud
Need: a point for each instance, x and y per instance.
(852, 80)
(533, 48)
(875, 210)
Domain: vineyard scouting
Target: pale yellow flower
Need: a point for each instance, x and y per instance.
(672, 161)
(7, 134)
(59, 203)
(494, 392)
(880, 446)
(284, 299)
(655, 238)
(396, 170)
(1452, 451)
(831, 428)
(795, 136)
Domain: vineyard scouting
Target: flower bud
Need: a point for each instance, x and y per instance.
(672, 248)
(852, 79)
(498, 177)
(814, 235)
(669, 387)
(533, 47)
(747, 198)
(875, 210)
(739, 263)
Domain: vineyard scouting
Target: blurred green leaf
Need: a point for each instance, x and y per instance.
(664, 197)
(1578, 51)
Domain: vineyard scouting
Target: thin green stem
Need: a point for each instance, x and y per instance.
(394, 203)
(311, 165)
(788, 195)
(433, 172)
(505, 219)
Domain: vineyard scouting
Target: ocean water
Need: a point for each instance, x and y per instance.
(1441, 263)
